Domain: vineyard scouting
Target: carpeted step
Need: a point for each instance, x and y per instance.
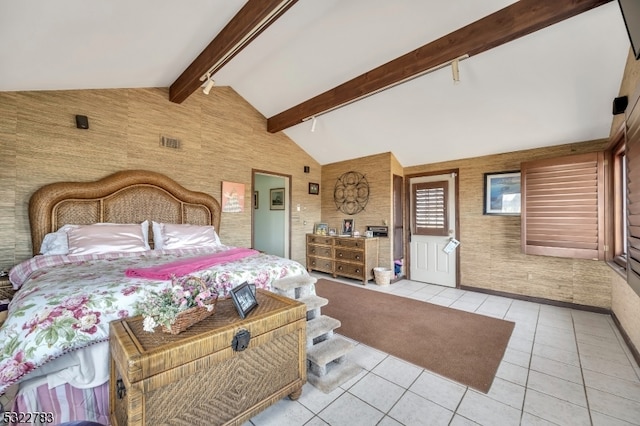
(329, 350)
(294, 287)
(314, 303)
(321, 325)
(337, 374)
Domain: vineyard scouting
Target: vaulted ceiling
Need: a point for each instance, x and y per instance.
(527, 82)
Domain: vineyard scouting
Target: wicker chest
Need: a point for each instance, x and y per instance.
(197, 378)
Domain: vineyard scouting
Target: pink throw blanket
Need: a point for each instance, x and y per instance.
(186, 266)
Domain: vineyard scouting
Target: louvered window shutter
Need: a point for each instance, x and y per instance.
(633, 198)
(563, 206)
(430, 213)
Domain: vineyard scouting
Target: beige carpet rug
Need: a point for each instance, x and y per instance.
(462, 346)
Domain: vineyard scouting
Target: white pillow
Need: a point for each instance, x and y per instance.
(107, 237)
(58, 242)
(172, 236)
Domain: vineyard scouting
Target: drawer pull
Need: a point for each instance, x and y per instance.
(340, 268)
(357, 257)
(313, 251)
(357, 271)
(339, 254)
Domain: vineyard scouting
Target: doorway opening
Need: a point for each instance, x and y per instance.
(271, 212)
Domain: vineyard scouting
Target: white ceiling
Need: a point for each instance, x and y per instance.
(552, 87)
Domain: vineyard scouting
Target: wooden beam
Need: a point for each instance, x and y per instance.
(514, 21)
(228, 42)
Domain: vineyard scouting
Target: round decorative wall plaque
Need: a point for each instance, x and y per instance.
(351, 193)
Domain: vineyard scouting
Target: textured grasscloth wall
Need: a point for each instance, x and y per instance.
(223, 138)
(490, 256)
(377, 170)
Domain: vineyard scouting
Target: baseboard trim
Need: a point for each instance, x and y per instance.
(634, 350)
(538, 300)
(627, 339)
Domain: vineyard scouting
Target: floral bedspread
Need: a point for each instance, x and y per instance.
(67, 302)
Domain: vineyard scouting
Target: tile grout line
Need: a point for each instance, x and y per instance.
(584, 382)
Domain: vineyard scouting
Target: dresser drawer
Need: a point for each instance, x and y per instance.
(319, 264)
(355, 242)
(322, 251)
(318, 239)
(350, 269)
(345, 254)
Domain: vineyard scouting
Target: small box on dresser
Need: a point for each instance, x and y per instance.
(197, 378)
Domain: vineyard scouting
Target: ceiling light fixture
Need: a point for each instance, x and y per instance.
(456, 71)
(208, 85)
(314, 120)
(397, 83)
(260, 26)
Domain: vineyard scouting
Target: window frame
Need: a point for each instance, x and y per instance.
(618, 175)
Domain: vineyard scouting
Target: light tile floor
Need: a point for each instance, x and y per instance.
(561, 367)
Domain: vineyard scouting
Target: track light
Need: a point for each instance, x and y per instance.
(456, 79)
(313, 124)
(208, 85)
(456, 71)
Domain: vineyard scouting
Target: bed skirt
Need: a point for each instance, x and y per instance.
(66, 402)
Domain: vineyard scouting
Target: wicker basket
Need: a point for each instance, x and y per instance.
(382, 276)
(187, 318)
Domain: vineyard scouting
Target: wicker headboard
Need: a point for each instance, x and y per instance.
(130, 196)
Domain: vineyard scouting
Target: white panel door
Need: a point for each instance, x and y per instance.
(432, 227)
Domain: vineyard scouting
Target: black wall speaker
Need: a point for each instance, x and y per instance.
(82, 122)
(620, 105)
(306, 169)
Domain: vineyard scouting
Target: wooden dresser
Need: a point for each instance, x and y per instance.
(353, 257)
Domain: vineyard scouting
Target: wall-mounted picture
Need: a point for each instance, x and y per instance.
(347, 226)
(314, 188)
(244, 299)
(276, 197)
(232, 197)
(502, 193)
(321, 228)
(333, 231)
(256, 199)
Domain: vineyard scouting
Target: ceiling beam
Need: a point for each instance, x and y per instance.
(514, 21)
(254, 17)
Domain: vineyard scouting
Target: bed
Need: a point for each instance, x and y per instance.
(54, 357)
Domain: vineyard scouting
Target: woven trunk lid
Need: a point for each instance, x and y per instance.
(141, 354)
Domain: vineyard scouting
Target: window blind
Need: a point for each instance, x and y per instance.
(563, 206)
(633, 197)
(430, 211)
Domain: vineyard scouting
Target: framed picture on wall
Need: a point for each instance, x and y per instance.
(314, 188)
(502, 193)
(276, 197)
(232, 197)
